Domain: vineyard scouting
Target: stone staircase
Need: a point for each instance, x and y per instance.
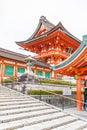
(22, 112)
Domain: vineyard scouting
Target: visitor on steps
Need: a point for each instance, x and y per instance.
(85, 95)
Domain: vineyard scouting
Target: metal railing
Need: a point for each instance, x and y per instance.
(58, 100)
(50, 97)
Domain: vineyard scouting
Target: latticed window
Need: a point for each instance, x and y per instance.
(33, 71)
(69, 50)
(9, 70)
(47, 75)
(40, 73)
(59, 76)
(21, 70)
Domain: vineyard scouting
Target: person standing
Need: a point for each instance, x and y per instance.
(85, 95)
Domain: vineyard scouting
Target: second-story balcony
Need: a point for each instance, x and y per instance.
(49, 53)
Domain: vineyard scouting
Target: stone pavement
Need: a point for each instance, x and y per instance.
(81, 113)
(49, 86)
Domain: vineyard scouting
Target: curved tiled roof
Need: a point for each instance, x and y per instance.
(12, 55)
(42, 21)
(51, 27)
(20, 57)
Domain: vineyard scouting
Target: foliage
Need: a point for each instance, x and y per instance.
(9, 80)
(44, 92)
(57, 82)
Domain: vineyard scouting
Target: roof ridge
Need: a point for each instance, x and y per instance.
(52, 28)
(43, 21)
(12, 52)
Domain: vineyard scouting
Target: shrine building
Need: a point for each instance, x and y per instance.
(52, 44)
(76, 65)
(58, 52)
(13, 64)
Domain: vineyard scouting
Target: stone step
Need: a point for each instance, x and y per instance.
(16, 103)
(25, 115)
(13, 99)
(9, 93)
(22, 110)
(30, 121)
(48, 125)
(84, 129)
(79, 124)
(20, 106)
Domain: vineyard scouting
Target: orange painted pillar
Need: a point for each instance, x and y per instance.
(15, 70)
(79, 95)
(2, 70)
(35, 71)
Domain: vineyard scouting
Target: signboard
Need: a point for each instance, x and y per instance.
(67, 91)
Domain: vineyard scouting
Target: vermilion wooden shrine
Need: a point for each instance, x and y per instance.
(76, 65)
(52, 44)
(66, 54)
(11, 64)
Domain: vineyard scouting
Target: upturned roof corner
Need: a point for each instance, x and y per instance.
(84, 41)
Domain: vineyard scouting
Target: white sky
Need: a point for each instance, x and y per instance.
(19, 19)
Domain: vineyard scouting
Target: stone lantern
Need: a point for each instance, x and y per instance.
(29, 77)
(30, 62)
